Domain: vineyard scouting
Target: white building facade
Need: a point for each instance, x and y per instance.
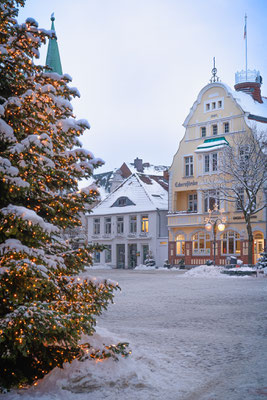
(131, 222)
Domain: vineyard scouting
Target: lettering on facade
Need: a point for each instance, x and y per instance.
(214, 115)
(186, 184)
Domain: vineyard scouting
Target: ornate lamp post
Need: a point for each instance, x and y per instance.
(212, 222)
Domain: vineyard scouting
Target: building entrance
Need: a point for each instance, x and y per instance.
(132, 256)
(258, 246)
(120, 256)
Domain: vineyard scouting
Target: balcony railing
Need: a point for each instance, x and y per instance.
(185, 218)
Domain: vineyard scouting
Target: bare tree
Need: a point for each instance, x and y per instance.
(243, 173)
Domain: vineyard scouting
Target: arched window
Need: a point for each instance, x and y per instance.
(180, 245)
(201, 243)
(230, 243)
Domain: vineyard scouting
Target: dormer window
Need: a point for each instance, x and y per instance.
(122, 202)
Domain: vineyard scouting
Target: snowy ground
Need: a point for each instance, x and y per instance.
(192, 338)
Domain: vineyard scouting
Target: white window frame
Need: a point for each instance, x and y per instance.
(133, 224)
(212, 127)
(209, 166)
(208, 195)
(189, 164)
(107, 223)
(120, 225)
(199, 238)
(225, 239)
(226, 124)
(145, 223)
(192, 202)
(180, 245)
(96, 226)
(203, 129)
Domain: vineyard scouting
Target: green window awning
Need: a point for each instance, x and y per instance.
(212, 144)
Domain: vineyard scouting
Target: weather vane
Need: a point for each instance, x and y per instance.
(214, 77)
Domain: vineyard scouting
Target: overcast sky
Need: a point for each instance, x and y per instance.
(140, 64)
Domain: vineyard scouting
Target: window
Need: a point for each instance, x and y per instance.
(213, 105)
(219, 104)
(214, 129)
(96, 226)
(180, 245)
(210, 162)
(119, 224)
(240, 199)
(207, 107)
(132, 223)
(108, 254)
(192, 202)
(226, 127)
(108, 225)
(189, 166)
(230, 242)
(212, 198)
(214, 165)
(96, 257)
(244, 153)
(201, 243)
(144, 223)
(203, 131)
(206, 163)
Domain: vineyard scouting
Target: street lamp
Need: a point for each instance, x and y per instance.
(213, 221)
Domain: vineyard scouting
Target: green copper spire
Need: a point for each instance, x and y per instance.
(53, 57)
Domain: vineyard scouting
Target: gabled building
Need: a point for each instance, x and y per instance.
(218, 116)
(132, 221)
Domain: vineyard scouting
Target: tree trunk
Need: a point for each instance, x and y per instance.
(250, 241)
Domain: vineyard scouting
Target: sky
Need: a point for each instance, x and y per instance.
(140, 64)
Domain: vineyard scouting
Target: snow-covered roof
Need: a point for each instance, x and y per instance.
(146, 192)
(250, 107)
(148, 169)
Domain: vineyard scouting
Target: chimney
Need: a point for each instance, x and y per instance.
(249, 82)
(166, 175)
(138, 165)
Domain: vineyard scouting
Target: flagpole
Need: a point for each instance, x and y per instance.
(246, 45)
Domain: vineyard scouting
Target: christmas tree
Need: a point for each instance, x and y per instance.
(45, 306)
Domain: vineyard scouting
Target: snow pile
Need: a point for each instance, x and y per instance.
(99, 266)
(92, 378)
(206, 271)
(143, 267)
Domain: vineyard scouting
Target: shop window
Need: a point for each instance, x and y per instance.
(201, 243)
(108, 253)
(96, 257)
(180, 245)
(230, 242)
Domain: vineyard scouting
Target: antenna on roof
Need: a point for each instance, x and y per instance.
(214, 77)
(246, 45)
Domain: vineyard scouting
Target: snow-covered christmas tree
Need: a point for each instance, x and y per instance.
(44, 307)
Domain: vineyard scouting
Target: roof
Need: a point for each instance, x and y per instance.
(148, 193)
(53, 57)
(212, 144)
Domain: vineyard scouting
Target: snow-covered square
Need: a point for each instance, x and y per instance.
(194, 336)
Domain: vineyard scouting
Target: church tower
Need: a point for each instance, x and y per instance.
(53, 57)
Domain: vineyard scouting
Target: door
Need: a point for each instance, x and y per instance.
(145, 252)
(132, 257)
(258, 246)
(120, 256)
